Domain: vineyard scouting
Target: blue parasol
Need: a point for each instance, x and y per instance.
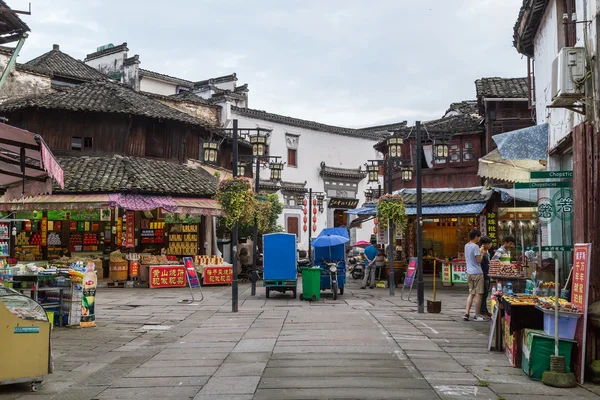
(329, 240)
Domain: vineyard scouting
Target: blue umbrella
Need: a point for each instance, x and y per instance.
(329, 240)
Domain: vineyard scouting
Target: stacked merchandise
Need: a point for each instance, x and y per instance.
(504, 269)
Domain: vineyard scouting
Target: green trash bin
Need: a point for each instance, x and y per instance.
(311, 283)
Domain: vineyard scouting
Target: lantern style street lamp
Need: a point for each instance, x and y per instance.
(373, 171)
(407, 173)
(440, 150)
(209, 152)
(258, 141)
(241, 169)
(276, 168)
(395, 147)
(320, 201)
(368, 195)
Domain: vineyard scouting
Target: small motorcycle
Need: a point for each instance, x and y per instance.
(333, 268)
(356, 268)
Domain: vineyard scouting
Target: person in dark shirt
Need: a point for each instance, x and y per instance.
(486, 243)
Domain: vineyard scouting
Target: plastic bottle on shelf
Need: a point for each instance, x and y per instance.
(509, 289)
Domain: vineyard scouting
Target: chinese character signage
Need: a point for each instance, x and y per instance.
(341, 203)
(217, 275)
(545, 210)
(579, 298)
(119, 240)
(191, 272)
(44, 231)
(563, 204)
(459, 272)
(129, 230)
(164, 276)
(446, 274)
(134, 268)
(483, 225)
(490, 227)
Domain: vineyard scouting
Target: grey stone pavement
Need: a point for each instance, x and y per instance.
(365, 345)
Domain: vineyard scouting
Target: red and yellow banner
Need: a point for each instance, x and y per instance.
(164, 276)
(217, 275)
(129, 230)
(119, 239)
(44, 231)
(134, 268)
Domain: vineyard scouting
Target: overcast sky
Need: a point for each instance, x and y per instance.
(344, 62)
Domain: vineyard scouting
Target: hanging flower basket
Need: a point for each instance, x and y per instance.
(236, 199)
(391, 207)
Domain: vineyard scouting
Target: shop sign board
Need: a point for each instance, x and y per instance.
(44, 231)
(446, 274)
(129, 230)
(79, 215)
(173, 218)
(410, 272)
(547, 248)
(459, 272)
(341, 203)
(165, 276)
(490, 228)
(134, 269)
(563, 204)
(192, 275)
(217, 275)
(551, 175)
(119, 241)
(542, 185)
(579, 298)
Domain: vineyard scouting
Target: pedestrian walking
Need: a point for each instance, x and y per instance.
(370, 254)
(486, 243)
(473, 256)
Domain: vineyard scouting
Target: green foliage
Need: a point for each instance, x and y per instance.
(267, 209)
(391, 207)
(237, 201)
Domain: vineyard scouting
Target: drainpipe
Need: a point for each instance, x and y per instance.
(13, 59)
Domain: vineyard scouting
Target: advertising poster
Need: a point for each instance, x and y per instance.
(214, 275)
(165, 276)
(579, 298)
(88, 299)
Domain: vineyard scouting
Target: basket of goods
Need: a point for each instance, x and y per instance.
(520, 300)
(568, 314)
(504, 268)
(118, 267)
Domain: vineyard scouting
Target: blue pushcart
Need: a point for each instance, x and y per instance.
(330, 256)
(280, 269)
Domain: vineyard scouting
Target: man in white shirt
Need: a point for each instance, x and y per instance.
(473, 256)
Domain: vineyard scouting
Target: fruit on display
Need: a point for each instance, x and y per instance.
(504, 268)
(520, 300)
(53, 239)
(548, 303)
(22, 239)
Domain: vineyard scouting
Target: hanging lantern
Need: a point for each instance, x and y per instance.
(320, 199)
(305, 202)
(258, 142)
(276, 168)
(376, 221)
(305, 210)
(209, 152)
(373, 172)
(305, 219)
(314, 210)
(241, 169)
(368, 195)
(375, 230)
(299, 199)
(314, 228)
(440, 149)
(314, 202)
(315, 219)
(407, 173)
(395, 147)
(305, 228)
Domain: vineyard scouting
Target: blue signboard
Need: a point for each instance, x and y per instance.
(27, 329)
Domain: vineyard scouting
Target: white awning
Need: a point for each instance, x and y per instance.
(493, 166)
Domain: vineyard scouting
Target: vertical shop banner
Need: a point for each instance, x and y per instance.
(446, 274)
(214, 275)
(164, 276)
(129, 230)
(119, 233)
(192, 275)
(490, 227)
(483, 225)
(44, 231)
(88, 298)
(134, 269)
(579, 298)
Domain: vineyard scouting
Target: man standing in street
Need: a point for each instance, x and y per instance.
(371, 253)
(504, 250)
(473, 256)
(486, 243)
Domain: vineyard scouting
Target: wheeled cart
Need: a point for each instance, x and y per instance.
(25, 337)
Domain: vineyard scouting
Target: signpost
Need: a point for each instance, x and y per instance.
(192, 279)
(579, 298)
(542, 185)
(551, 175)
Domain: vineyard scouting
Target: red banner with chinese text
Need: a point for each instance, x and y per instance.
(129, 230)
(119, 240)
(44, 231)
(217, 275)
(134, 268)
(164, 276)
(579, 298)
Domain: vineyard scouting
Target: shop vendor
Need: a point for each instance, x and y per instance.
(65, 252)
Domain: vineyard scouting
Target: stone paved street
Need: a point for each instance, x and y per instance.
(365, 345)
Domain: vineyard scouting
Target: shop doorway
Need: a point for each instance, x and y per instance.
(340, 218)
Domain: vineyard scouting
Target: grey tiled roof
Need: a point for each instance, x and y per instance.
(302, 123)
(448, 196)
(528, 22)
(118, 174)
(108, 97)
(336, 172)
(105, 52)
(186, 95)
(61, 64)
(167, 78)
(218, 79)
(467, 107)
(513, 88)
(10, 23)
(293, 186)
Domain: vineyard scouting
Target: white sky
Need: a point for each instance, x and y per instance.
(351, 63)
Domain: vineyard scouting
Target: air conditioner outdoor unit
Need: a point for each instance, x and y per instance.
(568, 71)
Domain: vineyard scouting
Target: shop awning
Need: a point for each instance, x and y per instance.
(494, 166)
(458, 209)
(529, 143)
(25, 157)
(56, 202)
(367, 209)
(197, 206)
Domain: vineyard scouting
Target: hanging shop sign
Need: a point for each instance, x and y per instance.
(551, 175)
(129, 230)
(217, 275)
(490, 227)
(119, 233)
(446, 274)
(459, 272)
(134, 269)
(341, 203)
(547, 248)
(79, 215)
(165, 276)
(542, 185)
(31, 215)
(579, 298)
(483, 225)
(44, 231)
(173, 218)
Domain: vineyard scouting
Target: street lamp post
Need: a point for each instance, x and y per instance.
(420, 283)
(320, 198)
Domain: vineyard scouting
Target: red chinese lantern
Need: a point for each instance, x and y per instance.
(314, 228)
(305, 202)
(375, 230)
(314, 202)
(315, 219)
(305, 219)
(315, 210)
(305, 211)
(305, 228)
(376, 221)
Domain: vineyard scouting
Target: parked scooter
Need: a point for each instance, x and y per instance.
(333, 267)
(356, 267)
